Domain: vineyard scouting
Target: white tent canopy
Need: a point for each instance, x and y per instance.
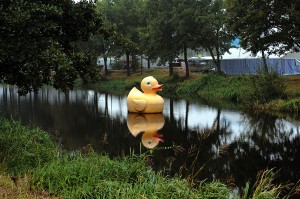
(292, 55)
(240, 53)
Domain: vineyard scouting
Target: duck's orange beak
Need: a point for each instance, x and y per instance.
(157, 87)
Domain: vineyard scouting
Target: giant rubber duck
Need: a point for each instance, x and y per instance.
(147, 101)
(148, 125)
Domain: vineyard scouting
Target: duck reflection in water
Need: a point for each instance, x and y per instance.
(148, 124)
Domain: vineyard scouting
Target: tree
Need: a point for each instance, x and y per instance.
(288, 17)
(269, 26)
(212, 34)
(100, 45)
(38, 43)
(163, 34)
(183, 20)
(122, 16)
(144, 34)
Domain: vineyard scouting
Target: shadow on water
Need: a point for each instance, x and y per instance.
(193, 140)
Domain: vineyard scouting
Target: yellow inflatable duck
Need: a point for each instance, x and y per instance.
(147, 102)
(148, 124)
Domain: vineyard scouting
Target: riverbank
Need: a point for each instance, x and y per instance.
(254, 93)
(33, 165)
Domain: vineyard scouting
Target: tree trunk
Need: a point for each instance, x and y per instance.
(170, 68)
(127, 64)
(266, 71)
(148, 63)
(141, 64)
(216, 61)
(187, 70)
(105, 65)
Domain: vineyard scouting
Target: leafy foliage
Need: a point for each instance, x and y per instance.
(38, 43)
(212, 34)
(265, 26)
(124, 18)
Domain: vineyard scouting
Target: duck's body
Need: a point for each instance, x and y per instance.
(147, 102)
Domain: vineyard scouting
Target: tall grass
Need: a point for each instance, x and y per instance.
(265, 188)
(22, 148)
(220, 87)
(100, 177)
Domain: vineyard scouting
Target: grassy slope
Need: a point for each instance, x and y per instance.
(162, 74)
(222, 89)
(293, 85)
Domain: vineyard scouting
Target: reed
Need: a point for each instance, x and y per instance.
(265, 188)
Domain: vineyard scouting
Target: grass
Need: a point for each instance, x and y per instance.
(98, 176)
(280, 94)
(23, 149)
(53, 173)
(293, 84)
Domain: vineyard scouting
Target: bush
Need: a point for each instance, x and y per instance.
(267, 87)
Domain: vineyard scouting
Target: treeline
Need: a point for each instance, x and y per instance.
(55, 42)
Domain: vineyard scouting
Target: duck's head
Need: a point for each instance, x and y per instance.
(150, 85)
(151, 139)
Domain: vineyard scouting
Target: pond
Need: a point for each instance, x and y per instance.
(190, 139)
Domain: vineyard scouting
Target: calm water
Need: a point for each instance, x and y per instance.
(187, 138)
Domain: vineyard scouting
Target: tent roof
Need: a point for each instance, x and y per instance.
(240, 53)
(292, 55)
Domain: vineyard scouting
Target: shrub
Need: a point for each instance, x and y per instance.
(266, 87)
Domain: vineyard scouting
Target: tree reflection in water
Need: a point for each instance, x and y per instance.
(200, 142)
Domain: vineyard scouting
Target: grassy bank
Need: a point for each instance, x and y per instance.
(33, 166)
(257, 93)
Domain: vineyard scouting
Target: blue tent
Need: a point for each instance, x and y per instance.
(251, 66)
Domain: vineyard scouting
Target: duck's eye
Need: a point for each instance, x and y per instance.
(148, 82)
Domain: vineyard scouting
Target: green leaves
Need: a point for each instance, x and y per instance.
(38, 43)
(265, 25)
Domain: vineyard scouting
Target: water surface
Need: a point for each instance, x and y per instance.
(188, 138)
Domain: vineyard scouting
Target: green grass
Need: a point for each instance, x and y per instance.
(229, 88)
(98, 176)
(44, 168)
(252, 93)
(23, 149)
